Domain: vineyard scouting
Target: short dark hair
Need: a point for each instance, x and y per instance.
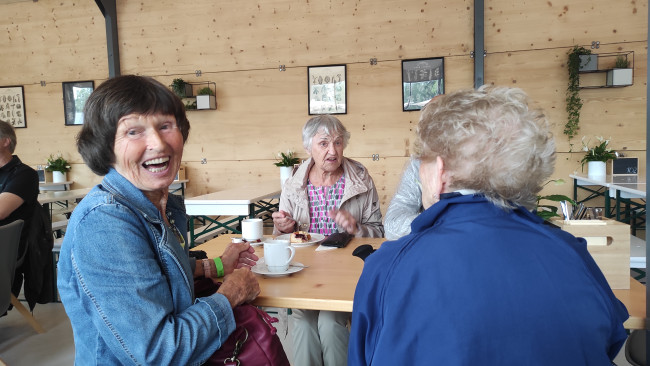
(7, 132)
(114, 99)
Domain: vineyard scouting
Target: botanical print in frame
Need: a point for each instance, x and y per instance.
(75, 95)
(12, 106)
(327, 89)
(422, 79)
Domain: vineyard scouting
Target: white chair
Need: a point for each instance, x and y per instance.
(8, 262)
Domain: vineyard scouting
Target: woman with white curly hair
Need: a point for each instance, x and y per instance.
(481, 280)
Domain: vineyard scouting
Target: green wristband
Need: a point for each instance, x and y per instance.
(219, 264)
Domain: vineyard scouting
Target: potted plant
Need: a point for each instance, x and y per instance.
(59, 167)
(286, 163)
(573, 101)
(596, 157)
(621, 74)
(205, 99)
(181, 88)
(546, 211)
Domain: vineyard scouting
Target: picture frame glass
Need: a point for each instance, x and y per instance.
(12, 106)
(75, 95)
(327, 89)
(422, 80)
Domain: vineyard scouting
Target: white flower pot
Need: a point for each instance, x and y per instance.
(596, 169)
(285, 172)
(58, 177)
(619, 77)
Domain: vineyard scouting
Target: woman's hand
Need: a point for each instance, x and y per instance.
(283, 221)
(240, 286)
(345, 220)
(238, 255)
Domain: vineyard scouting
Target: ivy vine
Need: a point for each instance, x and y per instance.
(573, 101)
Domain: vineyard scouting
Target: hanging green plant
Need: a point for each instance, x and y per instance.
(573, 101)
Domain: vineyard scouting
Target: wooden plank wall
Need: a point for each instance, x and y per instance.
(240, 46)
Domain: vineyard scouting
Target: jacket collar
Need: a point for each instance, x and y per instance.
(119, 186)
(12, 163)
(354, 172)
(466, 208)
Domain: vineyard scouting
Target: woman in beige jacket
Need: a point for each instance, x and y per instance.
(328, 193)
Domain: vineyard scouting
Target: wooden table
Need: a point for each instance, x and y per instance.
(330, 281)
(58, 186)
(62, 196)
(247, 200)
(178, 186)
(623, 189)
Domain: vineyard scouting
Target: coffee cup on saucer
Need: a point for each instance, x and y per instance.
(278, 254)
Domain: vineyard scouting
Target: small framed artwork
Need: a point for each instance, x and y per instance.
(422, 79)
(12, 106)
(327, 89)
(75, 95)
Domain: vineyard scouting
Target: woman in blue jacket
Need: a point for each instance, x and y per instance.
(125, 277)
(481, 280)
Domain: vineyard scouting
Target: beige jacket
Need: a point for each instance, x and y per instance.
(359, 198)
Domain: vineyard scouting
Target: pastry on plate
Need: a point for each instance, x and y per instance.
(300, 237)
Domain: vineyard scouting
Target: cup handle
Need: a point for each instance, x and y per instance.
(293, 253)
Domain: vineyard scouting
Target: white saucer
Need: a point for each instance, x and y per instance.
(260, 268)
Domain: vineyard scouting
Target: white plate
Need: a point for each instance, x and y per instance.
(253, 244)
(260, 268)
(315, 238)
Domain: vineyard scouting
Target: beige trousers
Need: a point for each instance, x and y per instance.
(320, 338)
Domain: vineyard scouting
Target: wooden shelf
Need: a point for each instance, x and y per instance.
(608, 60)
(194, 104)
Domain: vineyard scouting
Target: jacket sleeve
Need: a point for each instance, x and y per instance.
(126, 293)
(370, 225)
(406, 204)
(287, 205)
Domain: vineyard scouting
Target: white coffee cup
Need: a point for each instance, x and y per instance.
(251, 229)
(278, 254)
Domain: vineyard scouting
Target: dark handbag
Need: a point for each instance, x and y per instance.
(339, 240)
(254, 341)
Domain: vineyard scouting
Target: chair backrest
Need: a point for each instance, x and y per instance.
(10, 235)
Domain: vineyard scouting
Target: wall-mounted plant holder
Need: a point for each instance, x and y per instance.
(205, 96)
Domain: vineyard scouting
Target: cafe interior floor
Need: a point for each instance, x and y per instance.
(21, 345)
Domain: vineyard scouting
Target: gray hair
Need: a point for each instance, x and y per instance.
(326, 124)
(490, 141)
(7, 132)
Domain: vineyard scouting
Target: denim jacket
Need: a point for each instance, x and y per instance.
(126, 283)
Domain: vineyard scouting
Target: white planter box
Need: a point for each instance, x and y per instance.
(617, 77)
(206, 102)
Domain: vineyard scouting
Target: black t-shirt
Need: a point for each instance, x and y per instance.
(21, 180)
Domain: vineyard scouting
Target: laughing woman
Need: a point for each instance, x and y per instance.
(125, 277)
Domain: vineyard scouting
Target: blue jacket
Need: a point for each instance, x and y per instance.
(474, 284)
(127, 285)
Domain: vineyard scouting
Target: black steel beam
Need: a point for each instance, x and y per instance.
(109, 11)
(479, 43)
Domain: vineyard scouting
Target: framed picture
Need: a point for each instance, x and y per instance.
(75, 95)
(327, 89)
(12, 106)
(422, 79)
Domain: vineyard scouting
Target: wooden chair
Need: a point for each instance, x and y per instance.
(8, 264)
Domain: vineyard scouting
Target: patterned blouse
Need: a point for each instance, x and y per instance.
(321, 200)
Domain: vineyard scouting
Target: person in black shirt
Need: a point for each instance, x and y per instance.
(18, 182)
